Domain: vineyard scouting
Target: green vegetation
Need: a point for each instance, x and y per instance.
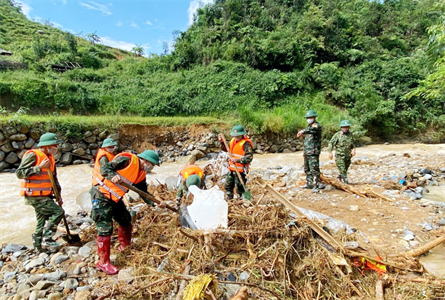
(262, 62)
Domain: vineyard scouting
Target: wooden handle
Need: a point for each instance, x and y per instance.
(230, 155)
(146, 195)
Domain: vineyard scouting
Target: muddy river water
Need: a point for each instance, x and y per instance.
(17, 220)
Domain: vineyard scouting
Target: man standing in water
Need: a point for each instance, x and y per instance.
(311, 151)
(241, 148)
(343, 144)
(38, 191)
(108, 205)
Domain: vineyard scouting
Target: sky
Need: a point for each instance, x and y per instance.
(121, 24)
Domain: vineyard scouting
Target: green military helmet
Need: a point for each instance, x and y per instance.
(345, 123)
(108, 142)
(193, 180)
(310, 113)
(49, 139)
(238, 130)
(150, 155)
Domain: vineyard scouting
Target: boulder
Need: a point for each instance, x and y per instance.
(79, 151)
(3, 166)
(7, 148)
(18, 137)
(93, 146)
(11, 158)
(114, 136)
(23, 129)
(90, 139)
(87, 134)
(21, 153)
(103, 135)
(9, 130)
(66, 147)
(2, 155)
(198, 154)
(66, 159)
(34, 134)
(29, 143)
(2, 137)
(17, 145)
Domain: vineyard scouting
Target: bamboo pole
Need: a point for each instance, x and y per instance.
(425, 248)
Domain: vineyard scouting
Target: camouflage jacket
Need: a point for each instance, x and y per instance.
(312, 139)
(248, 153)
(342, 143)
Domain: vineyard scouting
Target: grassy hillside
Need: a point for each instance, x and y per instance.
(262, 62)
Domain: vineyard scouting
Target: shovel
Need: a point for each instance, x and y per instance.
(184, 216)
(72, 238)
(246, 195)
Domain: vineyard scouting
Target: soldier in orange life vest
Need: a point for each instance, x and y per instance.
(108, 204)
(37, 189)
(103, 156)
(190, 175)
(241, 148)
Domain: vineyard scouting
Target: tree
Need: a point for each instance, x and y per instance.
(138, 50)
(93, 38)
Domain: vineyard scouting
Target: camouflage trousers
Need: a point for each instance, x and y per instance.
(312, 169)
(233, 181)
(343, 163)
(105, 210)
(48, 215)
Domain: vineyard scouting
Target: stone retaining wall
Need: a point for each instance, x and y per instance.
(16, 140)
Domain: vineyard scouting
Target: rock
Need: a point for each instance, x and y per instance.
(11, 248)
(23, 287)
(402, 174)
(77, 162)
(9, 276)
(428, 176)
(42, 285)
(426, 171)
(36, 278)
(103, 135)
(171, 182)
(7, 148)
(404, 244)
(83, 288)
(198, 154)
(408, 237)
(2, 155)
(83, 295)
(55, 276)
(2, 137)
(34, 263)
(17, 145)
(66, 159)
(414, 244)
(274, 148)
(60, 259)
(9, 130)
(85, 251)
(71, 283)
(34, 134)
(88, 134)
(114, 136)
(353, 208)
(37, 295)
(79, 151)
(91, 139)
(93, 146)
(29, 143)
(55, 296)
(125, 275)
(351, 245)
(18, 137)
(243, 276)
(441, 222)
(23, 129)
(66, 147)
(3, 166)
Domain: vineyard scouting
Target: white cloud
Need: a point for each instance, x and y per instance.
(64, 2)
(26, 9)
(148, 23)
(123, 45)
(119, 24)
(133, 24)
(194, 5)
(96, 6)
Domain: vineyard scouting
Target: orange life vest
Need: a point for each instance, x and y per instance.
(131, 174)
(96, 170)
(38, 185)
(237, 150)
(191, 170)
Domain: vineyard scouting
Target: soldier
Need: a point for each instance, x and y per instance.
(343, 144)
(38, 190)
(312, 149)
(108, 204)
(190, 175)
(241, 148)
(103, 156)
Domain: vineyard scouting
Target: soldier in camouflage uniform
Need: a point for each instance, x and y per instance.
(312, 149)
(241, 148)
(37, 189)
(343, 144)
(108, 204)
